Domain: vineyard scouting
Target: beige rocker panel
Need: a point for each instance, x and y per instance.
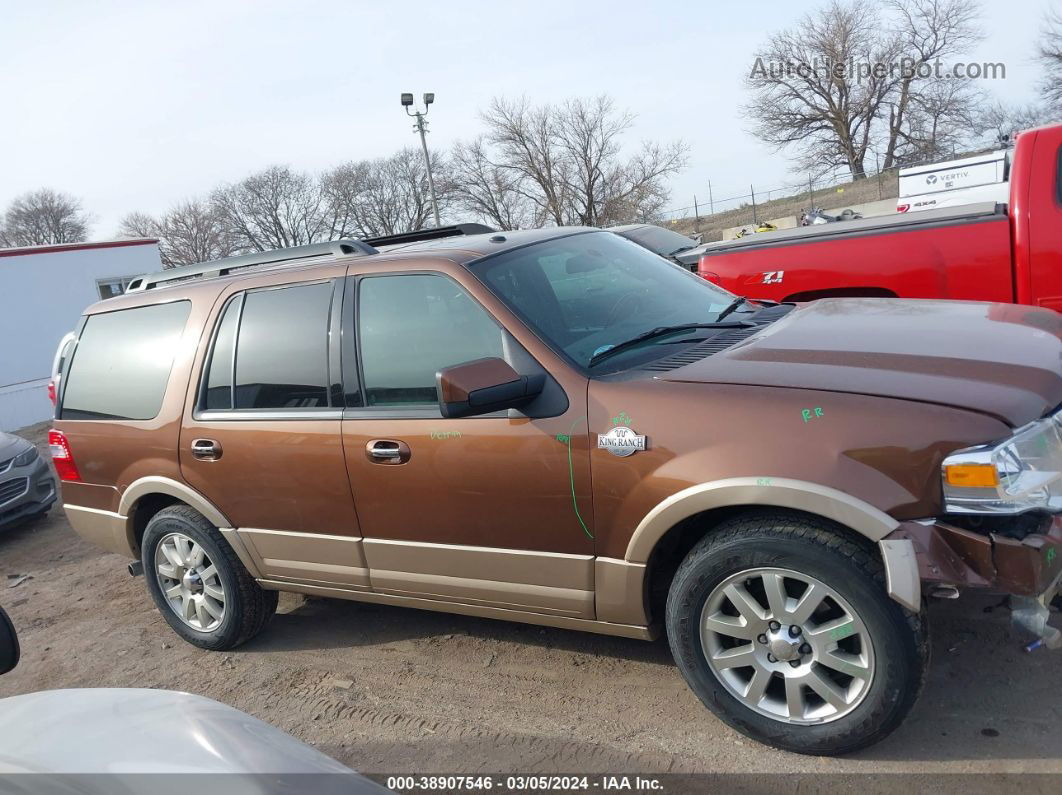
(539, 581)
(307, 557)
(481, 611)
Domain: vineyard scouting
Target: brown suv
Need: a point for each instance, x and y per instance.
(560, 427)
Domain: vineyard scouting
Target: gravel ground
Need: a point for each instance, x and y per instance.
(386, 689)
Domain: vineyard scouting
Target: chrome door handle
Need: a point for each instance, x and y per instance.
(387, 451)
(206, 449)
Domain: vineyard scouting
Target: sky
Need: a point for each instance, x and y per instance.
(134, 106)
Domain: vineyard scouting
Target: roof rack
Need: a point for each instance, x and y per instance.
(222, 267)
(430, 234)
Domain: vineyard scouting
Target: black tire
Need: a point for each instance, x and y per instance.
(820, 549)
(248, 607)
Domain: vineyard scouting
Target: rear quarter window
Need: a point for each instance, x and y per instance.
(122, 361)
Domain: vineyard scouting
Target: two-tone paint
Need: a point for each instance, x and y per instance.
(843, 410)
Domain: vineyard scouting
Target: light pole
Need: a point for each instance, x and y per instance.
(422, 127)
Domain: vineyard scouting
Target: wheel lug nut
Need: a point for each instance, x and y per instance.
(762, 639)
(794, 631)
(775, 626)
(805, 649)
(794, 663)
(771, 658)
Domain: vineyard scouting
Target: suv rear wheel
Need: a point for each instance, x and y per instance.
(782, 626)
(198, 584)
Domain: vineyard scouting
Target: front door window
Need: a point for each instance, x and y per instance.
(412, 326)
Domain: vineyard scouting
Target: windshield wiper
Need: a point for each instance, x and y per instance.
(732, 306)
(659, 331)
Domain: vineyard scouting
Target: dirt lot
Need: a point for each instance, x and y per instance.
(395, 690)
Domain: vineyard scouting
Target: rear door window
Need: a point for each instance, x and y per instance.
(121, 363)
(281, 351)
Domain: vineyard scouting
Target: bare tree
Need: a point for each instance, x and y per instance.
(1049, 53)
(846, 80)
(275, 208)
(566, 161)
(806, 96)
(192, 231)
(999, 122)
(44, 217)
(140, 225)
(927, 111)
(943, 119)
(488, 191)
(384, 196)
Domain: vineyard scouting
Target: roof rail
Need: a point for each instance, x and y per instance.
(430, 234)
(222, 267)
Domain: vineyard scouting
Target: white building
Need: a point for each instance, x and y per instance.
(43, 291)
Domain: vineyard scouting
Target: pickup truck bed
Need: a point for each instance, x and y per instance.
(1009, 253)
(967, 245)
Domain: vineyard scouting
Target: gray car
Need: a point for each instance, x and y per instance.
(667, 243)
(97, 741)
(27, 486)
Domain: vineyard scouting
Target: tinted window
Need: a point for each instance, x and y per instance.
(219, 377)
(659, 240)
(122, 362)
(282, 351)
(412, 326)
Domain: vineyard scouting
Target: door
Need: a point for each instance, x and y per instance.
(263, 439)
(1042, 217)
(491, 510)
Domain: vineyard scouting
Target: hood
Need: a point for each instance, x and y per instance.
(1004, 360)
(11, 445)
(114, 730)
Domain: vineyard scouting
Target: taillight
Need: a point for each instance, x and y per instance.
(902, 208)
(61, 456)
(51, 391)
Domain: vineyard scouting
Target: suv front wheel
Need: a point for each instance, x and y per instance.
(782, 626)
(199, 585)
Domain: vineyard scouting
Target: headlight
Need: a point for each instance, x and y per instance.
(1019, 474)
(27, 457)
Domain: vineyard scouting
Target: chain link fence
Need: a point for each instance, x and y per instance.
(711, 214)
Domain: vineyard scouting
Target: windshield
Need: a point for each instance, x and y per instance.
(660, 240)
(586, 293)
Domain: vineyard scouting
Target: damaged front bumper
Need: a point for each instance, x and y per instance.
(947, 557)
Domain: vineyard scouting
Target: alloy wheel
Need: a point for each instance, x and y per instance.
(787, 645)
(190, 582)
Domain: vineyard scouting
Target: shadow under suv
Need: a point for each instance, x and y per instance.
(560, 427)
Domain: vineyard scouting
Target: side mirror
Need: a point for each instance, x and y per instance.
(9, 650)
(483, 386)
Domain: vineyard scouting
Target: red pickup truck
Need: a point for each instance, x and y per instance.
(982, 252)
